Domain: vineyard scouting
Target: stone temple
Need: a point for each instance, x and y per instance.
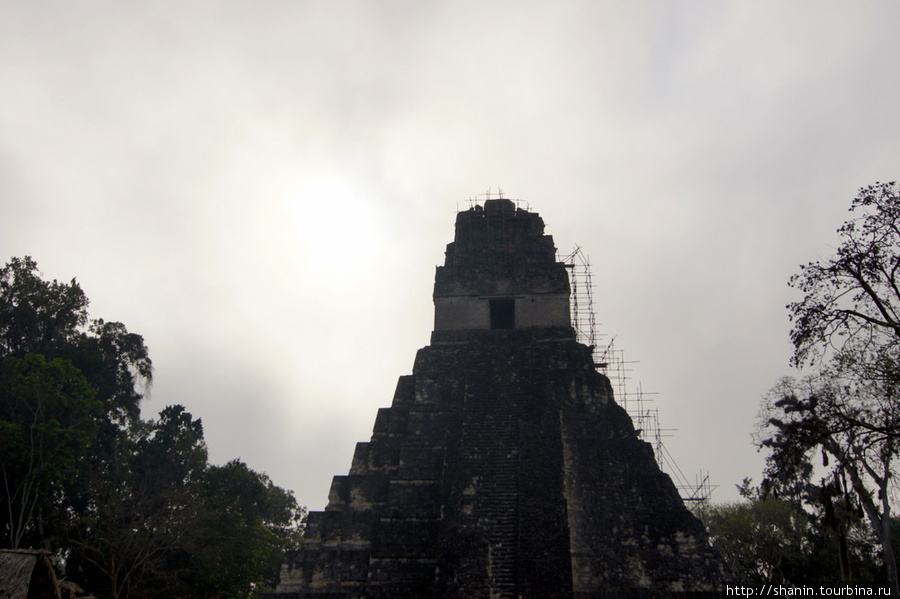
(504, 467)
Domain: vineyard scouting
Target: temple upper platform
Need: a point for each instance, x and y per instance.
(500, 272)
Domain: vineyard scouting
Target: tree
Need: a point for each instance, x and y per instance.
(769, 539)
(239, 538)
(855, 294)
(51, 318)
(761, 540)
(50, 348)
(854, 425)
(848, 325)
(133, 504)
(37, 316)
(166, 523)
(140, 507)
(48, 419)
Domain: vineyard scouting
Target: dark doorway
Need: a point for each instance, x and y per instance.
(503, 313)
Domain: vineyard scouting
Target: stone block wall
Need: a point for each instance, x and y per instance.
(504, 468)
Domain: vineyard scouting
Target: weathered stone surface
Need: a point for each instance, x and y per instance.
(503, 468)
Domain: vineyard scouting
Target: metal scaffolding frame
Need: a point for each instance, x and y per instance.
(611, 361)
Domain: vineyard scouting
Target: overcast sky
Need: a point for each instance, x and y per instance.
(262, 189)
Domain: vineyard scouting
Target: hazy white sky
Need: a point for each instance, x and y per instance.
(263, 189)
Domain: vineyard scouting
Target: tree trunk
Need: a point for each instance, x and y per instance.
(890, 562)
(881, 524)
(844, 554)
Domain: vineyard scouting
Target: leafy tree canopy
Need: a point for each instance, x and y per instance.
(246, 524)
(761, 540)
(854, 294)
(133, 504)
(847, 324)
(48, 420)
(37, 316)
(51, 318)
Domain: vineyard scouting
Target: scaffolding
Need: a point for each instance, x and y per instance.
(479, 198)
(611, 362)
(581, 298)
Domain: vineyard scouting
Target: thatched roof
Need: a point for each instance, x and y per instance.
(23, 570)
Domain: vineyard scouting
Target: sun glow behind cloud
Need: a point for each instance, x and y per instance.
(336, 225)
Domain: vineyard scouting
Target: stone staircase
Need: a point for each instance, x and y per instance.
(490, 438)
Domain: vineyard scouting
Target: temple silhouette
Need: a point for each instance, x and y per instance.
(504, 467)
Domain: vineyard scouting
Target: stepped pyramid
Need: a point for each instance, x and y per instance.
(503, 468)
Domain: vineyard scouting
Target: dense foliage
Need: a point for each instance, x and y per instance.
(853, 295)
(132, 505)
(805, 535)
(847, 413)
